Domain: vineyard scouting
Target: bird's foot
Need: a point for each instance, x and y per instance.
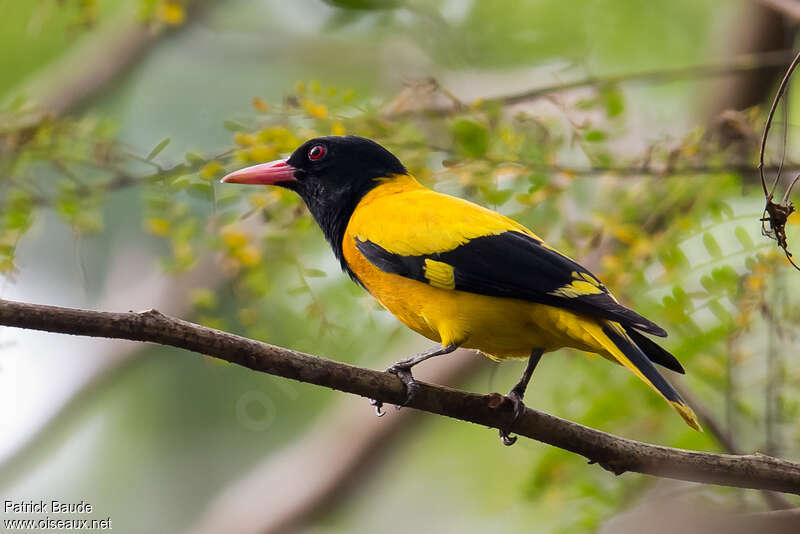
(403, 372)
(505, 434)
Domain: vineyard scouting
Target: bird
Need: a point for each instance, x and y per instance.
(458, 273)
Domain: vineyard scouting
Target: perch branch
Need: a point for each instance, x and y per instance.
(615, 454)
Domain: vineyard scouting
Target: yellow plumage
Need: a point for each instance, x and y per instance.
(407, 219)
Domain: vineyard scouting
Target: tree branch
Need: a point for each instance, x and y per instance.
(615, 454)
(787, 8)
(736, 65)
(90, 66)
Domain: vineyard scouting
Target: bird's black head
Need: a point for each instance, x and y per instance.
(331, 174)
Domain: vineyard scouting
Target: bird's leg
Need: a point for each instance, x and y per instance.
(516, 394)
(402, 370)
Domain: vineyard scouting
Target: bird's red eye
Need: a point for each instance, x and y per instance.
(317, 152)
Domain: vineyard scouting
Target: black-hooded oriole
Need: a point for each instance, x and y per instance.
(458, 273)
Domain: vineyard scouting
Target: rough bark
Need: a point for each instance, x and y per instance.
(614, 453)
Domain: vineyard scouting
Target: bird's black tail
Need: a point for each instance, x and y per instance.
(654, 351)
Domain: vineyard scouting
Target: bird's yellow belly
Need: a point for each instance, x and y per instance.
(500, 328)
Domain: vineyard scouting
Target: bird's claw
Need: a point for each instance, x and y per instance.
(507, 439)
(404, 374)
(519, 408)
(378, 405)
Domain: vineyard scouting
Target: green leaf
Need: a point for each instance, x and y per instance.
(719, 311)
(744, 238)
(594, 136)
(194, 158)
(234, 126)
(471, 138)
(158, 148)
(712, 246)
(315, 273)
(537, 181)
(681, 298)
(497, 197)
(708, 283)
(612, 100)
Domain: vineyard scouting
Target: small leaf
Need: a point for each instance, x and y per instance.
(537, 181)
(234, 126)
(594, 136)
(498, 197)
(613, 101)
(471, 138)
(719, 311)
(744, 238)
(708, 283)
(712, 246)
(315, 273)
(194, 158)
(158, 148)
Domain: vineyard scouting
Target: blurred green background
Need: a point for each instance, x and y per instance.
(164, 441)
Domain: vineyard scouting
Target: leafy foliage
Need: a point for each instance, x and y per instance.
(676, 237)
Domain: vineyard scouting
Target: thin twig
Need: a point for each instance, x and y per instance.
(735, 65)
(772, 108)
(789, 189)
(615, 454)
(776, 214)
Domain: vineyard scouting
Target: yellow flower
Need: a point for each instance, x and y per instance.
(234, 238)
(248, 256)
(755, 282)
(263, 153)
(318, 111)
(259, 104)
(243, 139)
(172, 13)
(625, 234)
(338, 129)
(159, 227)
(211, 169)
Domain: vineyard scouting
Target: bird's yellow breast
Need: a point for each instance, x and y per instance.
(413, 220)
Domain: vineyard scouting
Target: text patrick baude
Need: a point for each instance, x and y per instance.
(46, 507)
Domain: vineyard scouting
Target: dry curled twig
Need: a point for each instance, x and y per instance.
(776, 214)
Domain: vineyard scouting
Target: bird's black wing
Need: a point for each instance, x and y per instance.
(515, 265)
